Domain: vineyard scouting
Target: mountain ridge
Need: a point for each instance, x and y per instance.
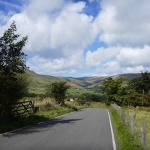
(39, 82)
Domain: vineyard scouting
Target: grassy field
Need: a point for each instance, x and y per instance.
(141, 114)
(125, 140)
(77, 91)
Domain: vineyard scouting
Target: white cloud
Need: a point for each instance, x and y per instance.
(55, 33)
(38, 8)
(111, 67)
(132, 57)
(136, 69)
(59, 31)
(72, 29)
(115, 60)
(125, 23)
(55, 66)
(95, 58)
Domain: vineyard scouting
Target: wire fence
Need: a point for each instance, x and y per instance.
(138, 131)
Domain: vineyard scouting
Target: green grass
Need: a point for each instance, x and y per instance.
(77, 91)
(125, 140)
(38, 82)
(33, 119)
(48, 110)
(142, 114)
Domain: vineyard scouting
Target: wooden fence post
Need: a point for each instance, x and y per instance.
(132, 124)
(144, 135)
(32, 107)
(126, 118)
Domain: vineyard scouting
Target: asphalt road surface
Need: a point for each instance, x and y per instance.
(87, 129)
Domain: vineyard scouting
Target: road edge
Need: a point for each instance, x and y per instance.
(36, 123)
(112, 132)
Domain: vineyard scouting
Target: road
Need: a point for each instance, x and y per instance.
(87, 129)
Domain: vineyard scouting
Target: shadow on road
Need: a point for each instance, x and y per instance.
(43, 126)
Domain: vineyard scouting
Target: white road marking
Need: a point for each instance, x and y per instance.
(112, 132)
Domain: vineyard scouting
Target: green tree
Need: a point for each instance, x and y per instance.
(10, 92)
(141, 84)
(57, 90)
(12, 58)
(92, 97)
(12, 65)
(114, 90)
(126, 93)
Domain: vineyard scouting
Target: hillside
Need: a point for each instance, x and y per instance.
(38, 82)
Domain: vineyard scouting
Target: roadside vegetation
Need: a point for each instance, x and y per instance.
(125, 140)
(128, 92)
(45, 109)
(133, 96)
(141, 114)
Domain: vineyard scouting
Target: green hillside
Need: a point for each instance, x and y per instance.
(38, 82)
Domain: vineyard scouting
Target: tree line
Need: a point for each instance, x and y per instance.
(129, 92)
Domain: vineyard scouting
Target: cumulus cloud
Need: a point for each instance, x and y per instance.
(59, 29)
(125, 23)
(95, 58)
(111, 67)
(72, 29)
(115, 60)
(132, 57)
(59, 33)
(56, 66)
(136, 69)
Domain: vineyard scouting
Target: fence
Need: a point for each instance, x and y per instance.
(139, 135)
(22, 108)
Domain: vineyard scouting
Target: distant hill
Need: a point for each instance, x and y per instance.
(38, 82)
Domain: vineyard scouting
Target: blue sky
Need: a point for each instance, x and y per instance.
(82, 38)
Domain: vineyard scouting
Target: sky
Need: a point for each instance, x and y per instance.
(76, 38)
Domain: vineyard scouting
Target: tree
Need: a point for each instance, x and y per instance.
(57, 90)
(10, 92)
(126, 94)
(114, 90)
(141, 84)
(12, 58)
(91, 97)
(12, 66)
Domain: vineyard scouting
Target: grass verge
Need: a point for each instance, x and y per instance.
(125, 140)
(42, 115)
(141, 114)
